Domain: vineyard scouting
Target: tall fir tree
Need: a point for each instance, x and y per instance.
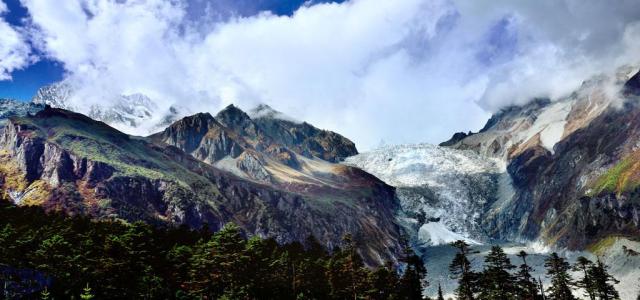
(347, 274)
(440, 295)
(558, 271)
(412, 281)
(460, 269)
(603, 282)
(541, 289)
(45, 295)
(583, 265)
(86, 293)
(383, 282)
(496, 281)
(526, 285)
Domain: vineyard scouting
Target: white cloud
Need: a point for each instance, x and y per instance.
(14, 51)
(399, 71)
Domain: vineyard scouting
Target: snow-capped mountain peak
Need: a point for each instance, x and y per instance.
(55, 95)
(131, 113)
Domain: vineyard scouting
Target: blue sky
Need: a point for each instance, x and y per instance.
(25, 82)
(404, 71)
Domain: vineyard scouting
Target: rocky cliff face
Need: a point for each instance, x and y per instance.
(69, 162)
(571, 163)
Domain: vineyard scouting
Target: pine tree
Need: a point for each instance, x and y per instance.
(586, 283)
(541, 289)
(347, 274)
(460, 268)
(527, 287)
(558, 271)
(383, 282)
(413, 279)
(496, 282)
(440, 296)
(45, 295)
(86, 293)
(603, 282)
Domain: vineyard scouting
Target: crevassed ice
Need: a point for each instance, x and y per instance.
(443, 192)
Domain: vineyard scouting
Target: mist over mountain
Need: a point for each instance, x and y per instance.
(443, 64)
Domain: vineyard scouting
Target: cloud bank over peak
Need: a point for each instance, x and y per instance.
(400, 71)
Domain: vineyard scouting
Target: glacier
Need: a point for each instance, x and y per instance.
(443, 192)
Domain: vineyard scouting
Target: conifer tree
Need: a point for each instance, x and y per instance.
(496, 282)
(45, 295)
(460, 268)
(347, 274)
(440, 296)
(583, 265)
(527, 287)
(603, 282)
(86, 293)
(413, 279)
(383, 282)
(541, 289)
(558, 271)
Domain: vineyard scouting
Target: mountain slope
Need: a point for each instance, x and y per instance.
(69, 162)
(292, 157)
(572, 165)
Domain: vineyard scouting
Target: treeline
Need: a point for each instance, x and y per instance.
(53, 256)
(500, 279)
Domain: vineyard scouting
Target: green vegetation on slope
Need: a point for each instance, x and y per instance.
(130, 156)
(621, 178)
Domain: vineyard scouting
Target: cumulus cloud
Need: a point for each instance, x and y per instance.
(14, 51)
(400, 71)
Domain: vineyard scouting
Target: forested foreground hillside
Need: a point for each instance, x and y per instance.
(54, 256)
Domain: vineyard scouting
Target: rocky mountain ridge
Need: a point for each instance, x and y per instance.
(265, 149)
(66, 161)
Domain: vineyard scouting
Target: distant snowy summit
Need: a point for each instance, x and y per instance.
(133, 113)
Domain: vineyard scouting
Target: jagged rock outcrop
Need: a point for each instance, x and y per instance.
(458, 136)
(268, 148)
